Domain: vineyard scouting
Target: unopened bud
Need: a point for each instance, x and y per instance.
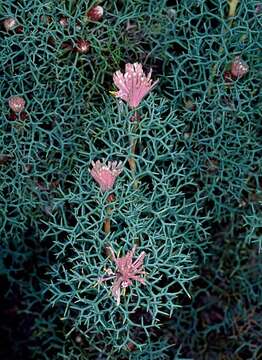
(9, 24)
(239, 67)
(82, 46)
(16, 103)
(63, 21)
(96, 13)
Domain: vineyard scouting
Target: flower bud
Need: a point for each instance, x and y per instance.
(82, 46)
(9, 24)
(16, 103)
(63, 21)
(95, 13)
(239, 67)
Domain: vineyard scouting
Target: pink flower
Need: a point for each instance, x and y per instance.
(105, 175)
(239, 67)
(9, 24)
(126, 271)
(64, 21)
(16, 103)
(96, 13)
(134, 85)
(82, 46)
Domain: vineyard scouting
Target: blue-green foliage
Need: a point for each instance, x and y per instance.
(158, 216)
(198, 162)
(225, 304)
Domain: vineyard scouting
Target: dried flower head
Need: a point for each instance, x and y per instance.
(105, 175)
(239, 67)
(96, 13)
(82, 46)
(133, 85)
(126, 271)
(9, 24)
(16, 103)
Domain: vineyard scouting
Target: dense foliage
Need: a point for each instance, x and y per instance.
(192, 203)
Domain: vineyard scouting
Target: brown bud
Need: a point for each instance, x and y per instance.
(82, 46)
(16, 103)
(95, 13)
(9, 24)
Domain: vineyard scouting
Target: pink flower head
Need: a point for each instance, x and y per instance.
(82, 46)
(105, 175)
(16, 103)
(126, 271)
(9, 24)
(239, 67)
(96, 13)
(134, 85)
(64, 21)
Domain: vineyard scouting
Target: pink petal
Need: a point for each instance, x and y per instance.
(134, 85)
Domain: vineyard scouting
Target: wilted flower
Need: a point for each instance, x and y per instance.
(96, 13)
(134, 85)
(16, 103)
(105, 175)
(239, 67)
(9, 24)
(126, 271)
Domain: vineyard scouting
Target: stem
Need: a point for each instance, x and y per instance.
(232, 7)
(107, 226)
(131, 160)
(107, 221)
(132, 163)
